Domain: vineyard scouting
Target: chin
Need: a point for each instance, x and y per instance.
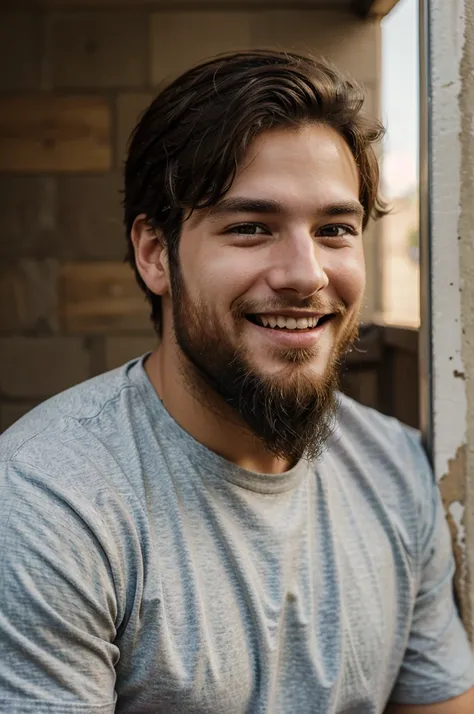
(295, 367)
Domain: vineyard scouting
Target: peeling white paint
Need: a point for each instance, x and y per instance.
(456, 511)
(449, 398)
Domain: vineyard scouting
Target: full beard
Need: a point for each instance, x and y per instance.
(292, 413)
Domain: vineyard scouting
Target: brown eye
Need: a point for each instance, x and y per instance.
(337, 230)
(248, 229)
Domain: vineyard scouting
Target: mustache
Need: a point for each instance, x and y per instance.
(244, 306)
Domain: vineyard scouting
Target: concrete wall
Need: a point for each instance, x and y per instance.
(451, 311)
(72, 82)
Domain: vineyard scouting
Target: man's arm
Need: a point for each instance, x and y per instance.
(437, 672)
(57, 599)
(459, 705)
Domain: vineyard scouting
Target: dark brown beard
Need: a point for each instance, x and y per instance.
(294, 413)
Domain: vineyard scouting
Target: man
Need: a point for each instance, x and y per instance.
(213, 527)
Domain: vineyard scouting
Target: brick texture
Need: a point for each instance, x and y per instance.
(29, 297)
(180, 39)
(90, 217)
(74, 76)
(129, 106)
(352, 44)
(33, 367)
(99, 49)
(19, 60)
(101, 298)
(119, 350)
(49, 133)
(28, 207)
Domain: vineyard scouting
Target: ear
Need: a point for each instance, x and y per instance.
(151, 256)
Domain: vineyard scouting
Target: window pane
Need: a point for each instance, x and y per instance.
(400, 112)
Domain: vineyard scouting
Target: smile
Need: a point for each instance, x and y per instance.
(284, 322)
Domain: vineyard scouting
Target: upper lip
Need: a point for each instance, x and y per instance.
(293, 313)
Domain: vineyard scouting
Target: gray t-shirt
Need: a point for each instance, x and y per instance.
(142, 573)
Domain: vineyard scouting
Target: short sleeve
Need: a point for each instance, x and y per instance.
(438, 662)
(57, 600)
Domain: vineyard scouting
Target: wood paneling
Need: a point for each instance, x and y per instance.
(383, 372)
(49, 133)
(34, 367)
(101, 297)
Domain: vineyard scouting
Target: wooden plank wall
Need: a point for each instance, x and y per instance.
(382, 372)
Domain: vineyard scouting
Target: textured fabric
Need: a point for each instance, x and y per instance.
(142, 573)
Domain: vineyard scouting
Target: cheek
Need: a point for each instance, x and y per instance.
(346, 275)
(222, 276)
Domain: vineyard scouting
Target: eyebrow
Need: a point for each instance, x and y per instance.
(344, 208)
(239, 204)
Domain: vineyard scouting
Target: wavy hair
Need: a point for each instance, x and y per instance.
(184, 152)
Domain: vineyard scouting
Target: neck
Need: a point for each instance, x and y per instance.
(205, 416)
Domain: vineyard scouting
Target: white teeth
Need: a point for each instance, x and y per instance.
(290, 323)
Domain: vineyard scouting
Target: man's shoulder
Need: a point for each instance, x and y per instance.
(371, 426)
(70, 416)
(389, 454)
(71, 466)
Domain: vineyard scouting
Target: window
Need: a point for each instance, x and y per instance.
(400, 114)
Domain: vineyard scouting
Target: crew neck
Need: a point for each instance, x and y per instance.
(204, 458)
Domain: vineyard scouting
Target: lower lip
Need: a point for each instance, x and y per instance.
(287, 338)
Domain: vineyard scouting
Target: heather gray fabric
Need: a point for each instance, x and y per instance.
(142, 573)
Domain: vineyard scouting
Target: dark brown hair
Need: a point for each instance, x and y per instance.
(184, 152)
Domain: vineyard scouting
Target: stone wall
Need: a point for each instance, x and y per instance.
(73, 78)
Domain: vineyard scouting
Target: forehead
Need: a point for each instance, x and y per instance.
(311, 164)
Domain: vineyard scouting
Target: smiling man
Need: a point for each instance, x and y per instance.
(214, 527)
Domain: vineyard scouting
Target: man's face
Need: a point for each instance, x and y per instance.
(268, 289)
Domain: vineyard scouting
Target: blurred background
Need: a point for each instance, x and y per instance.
(74, 76)
(400, 303)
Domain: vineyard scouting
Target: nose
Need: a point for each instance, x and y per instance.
(298, 268)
